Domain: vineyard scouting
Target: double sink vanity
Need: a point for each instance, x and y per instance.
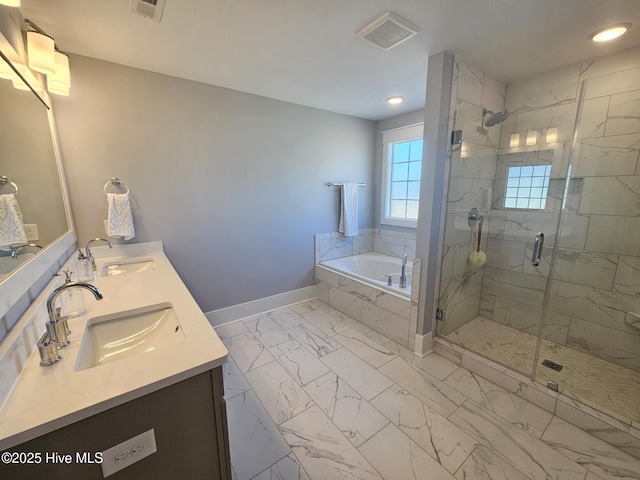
(144, 357)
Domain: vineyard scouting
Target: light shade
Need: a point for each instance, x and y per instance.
(552, 135)
(7, 72)
(10, 3)
(61, 80)
(532, 137)
(395, 100)
(19, 84)
(40, 49)
(610, 32)
(514, 141)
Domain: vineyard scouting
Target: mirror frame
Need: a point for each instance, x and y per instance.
(19, 282)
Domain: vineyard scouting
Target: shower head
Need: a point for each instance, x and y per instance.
(494, 118)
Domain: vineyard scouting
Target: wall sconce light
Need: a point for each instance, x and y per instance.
(532, 137)
(514, 140)
(552, 135)
(10, 3)
(48, 60)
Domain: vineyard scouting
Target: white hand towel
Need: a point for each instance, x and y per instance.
(11, 224)
(119, 218)
(349, 210)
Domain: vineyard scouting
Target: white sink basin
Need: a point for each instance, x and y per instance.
(136, 265)
(125, 334)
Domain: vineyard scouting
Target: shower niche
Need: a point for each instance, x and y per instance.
(560, 284)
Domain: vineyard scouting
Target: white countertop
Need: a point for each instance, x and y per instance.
(44, 399)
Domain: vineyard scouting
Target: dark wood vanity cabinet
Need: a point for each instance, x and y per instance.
(190, 423)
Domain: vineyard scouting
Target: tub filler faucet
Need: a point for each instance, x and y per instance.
(403, 276)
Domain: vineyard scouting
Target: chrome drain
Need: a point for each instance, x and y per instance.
(552, 365)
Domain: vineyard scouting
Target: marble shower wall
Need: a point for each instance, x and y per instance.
(472, 169)
(595, 298)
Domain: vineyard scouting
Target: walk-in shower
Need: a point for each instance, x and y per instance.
(563, 165)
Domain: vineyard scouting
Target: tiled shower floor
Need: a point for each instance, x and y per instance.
(313, 394)
(610, 388)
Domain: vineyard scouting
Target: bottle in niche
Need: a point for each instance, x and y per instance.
(72, 300)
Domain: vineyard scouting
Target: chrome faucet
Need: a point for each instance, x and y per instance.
(88, 250)
(403, 276)
(57, 327)
(15, 250)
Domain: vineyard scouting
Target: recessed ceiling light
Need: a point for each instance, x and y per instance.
(395, 100)
(610, 32)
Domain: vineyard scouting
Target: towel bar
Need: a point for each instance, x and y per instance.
(331, 184)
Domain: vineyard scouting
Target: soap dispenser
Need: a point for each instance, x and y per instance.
(84, 269)
(72, 300)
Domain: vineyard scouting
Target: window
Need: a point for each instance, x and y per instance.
(402, 169)
(527, 187)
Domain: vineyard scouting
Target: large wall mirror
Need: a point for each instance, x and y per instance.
(30, 161)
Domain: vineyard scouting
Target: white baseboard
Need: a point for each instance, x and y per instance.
(236, 312)
(424, 344)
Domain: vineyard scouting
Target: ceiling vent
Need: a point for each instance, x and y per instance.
(151, 9)
(388, 31)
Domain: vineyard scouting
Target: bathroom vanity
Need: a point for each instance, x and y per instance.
(145, 357)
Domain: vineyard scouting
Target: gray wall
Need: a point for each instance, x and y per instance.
(233, 183)
(411, 118)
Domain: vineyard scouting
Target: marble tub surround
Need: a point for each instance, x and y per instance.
(378, 414)
(388, 313)
(329, 246)
(36, 404)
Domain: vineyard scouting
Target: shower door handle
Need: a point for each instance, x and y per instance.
(537, 249)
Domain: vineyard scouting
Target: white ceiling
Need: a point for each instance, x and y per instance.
(306, 51)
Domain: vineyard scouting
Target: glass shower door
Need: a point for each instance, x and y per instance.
(514, 175)
(595, 286)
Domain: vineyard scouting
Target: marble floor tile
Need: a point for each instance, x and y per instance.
(247, 351)
(281, 396)
(352, 414)
(267, 331)
(437, 436)
(364, 379)
(323, 451)
(400, 350)
(301, 364)
(484, 464)
(286, 469)
(592, 453)
(396, 457)
(368, 332)
(371, 352)
(328, 324)
(231, 329)
(435, 365)
(509, 406)
(289, 317)
(234, 381)
(314, 339)
(440, 397)
(254, 441)
(531, 456)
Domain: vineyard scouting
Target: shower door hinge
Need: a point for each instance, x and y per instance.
(456, 137)
(439, 314)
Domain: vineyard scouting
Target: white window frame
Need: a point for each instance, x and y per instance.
(403, 134)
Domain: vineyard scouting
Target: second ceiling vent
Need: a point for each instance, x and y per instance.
(388, 31)
(152, 9)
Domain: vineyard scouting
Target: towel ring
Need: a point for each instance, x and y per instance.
(4, 180)
(116, 183)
